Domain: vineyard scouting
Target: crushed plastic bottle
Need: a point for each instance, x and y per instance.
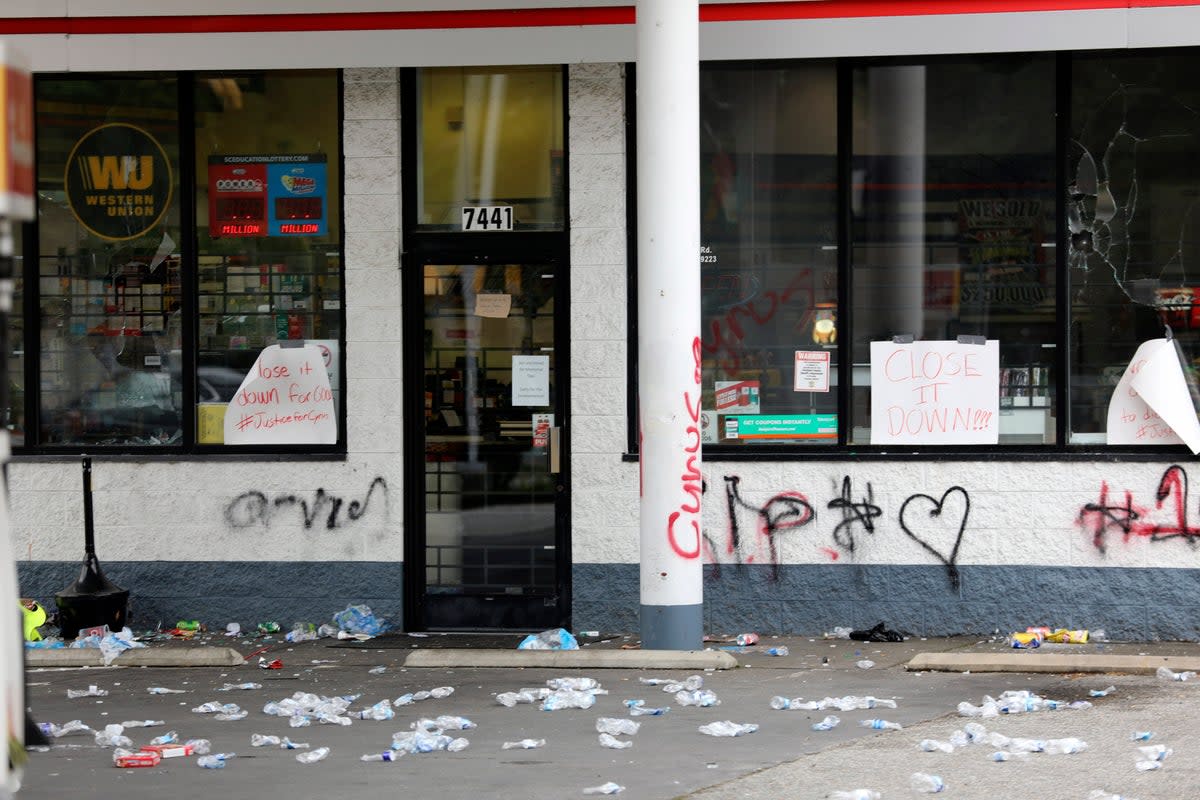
(1067, 746)
(553, 639)
(780, 703)
(577, 684)
(380, 711)
(386, 755)
(881, 725)
(312, 756)
(142, 723)
(839, 633)
(855, 794)
(1001, 755)
(232, 716)
(214, 761)
(1142, 736)
(727, 728)
(704, 698)
(57, 731)
(165, 690)
(568, 698)
(263, 740)
(1104, 794)
(217, 708)
(608, 740)
(689, 685)
(113, 736)
(827, 724)
(288, 744)
(358, 619)
(1102, 692)
(1155, 752)
(617, 726)
(934, 746)
(638, 708)
(656, 681)
(91, 691)
(776, 651)
(1148, 766)
(866, 663)
(1165, 673)
(230, 687)
(170, 737)
(605, 788)
(199, 747)
(458, 745)
(377, 670)
(925, 783)
(524, 744)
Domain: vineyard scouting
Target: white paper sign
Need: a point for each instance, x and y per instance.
(531, 380)
(812, 371)
(285, 399)
(493, 305)
(935, 393)
(1152, 404)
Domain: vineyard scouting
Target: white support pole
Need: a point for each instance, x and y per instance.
(668, 255)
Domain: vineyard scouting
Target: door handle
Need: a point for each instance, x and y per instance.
(555, 450)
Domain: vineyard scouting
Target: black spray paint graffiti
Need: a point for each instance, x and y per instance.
(255, 508)
(936, 525)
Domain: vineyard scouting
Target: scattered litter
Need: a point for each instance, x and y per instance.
(880, 633)
(855, 794)
(568, 698)
(164, 690)
(58, 731)
(215, 761)
(727, 728)
(1142, 736)
(1147, 766)
(358, 619)
(1025, 641)
(744, 639)
(264, 664)
(881, 725)
(827, 724)
(1169, 675)
(268, 627)
(229, 687)
(302, 632)
(866, 663)
(91, 691)
(1103, 794)
(302, 708)
(553, 639)
(143, 723)
(109, 643)
(1102, 692)
(170, 737)
(1067, 746)
(377, 670)
(847, 703)
(524, 744)
(443, 723)
(925, 783)
(510, 699)
(437, 693)
(113, 736)
(214, 707)
(776, 651)
(231, 716)
(233, 629)
(386, 755)
(577, 684)
(173, 750)
(617, 726)
(656, 681)
(199, 746)
(1017, 702)
(608, 740)
(605, 788)
(263, 740)
(312, 756)
(288, 744)
(1155, 752)
(691, 684)
(380, 711)
(127, 758)
(934, 746)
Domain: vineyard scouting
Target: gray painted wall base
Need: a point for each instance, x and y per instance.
(808, 599)
(673, 627)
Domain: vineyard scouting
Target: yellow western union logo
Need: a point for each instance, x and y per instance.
(100, 173)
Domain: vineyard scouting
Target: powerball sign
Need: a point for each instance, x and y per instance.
(935, 393)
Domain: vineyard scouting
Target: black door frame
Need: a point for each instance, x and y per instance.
(420, 247)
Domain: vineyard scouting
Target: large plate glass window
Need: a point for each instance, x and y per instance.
(953, 222)
(108, 265)
(269, 263)
(768, 260)
(491, 138)
(1133, 167)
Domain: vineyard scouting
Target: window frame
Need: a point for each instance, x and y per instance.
(188, 447)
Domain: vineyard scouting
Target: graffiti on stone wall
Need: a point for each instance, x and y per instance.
(753, 533)
(1116, 513)
(255, 508)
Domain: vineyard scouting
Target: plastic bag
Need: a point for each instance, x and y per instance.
(359, 619)
(554, 639)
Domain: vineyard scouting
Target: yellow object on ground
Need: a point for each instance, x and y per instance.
(34, 617)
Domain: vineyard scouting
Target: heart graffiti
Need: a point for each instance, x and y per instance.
(934, 529)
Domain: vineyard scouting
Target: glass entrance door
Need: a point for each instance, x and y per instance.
(493, 483)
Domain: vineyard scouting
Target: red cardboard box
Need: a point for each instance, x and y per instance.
(143, 759)
(168, 750)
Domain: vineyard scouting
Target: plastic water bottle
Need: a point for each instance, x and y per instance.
(458, 745)
(702, 697)
(856, 794)
(215, 761)
(379, 712)
(170, 737)
(288, 744)
(827, 724)
(262, 740)
(934, 746)
(727, 728)
(1065, 746)
(1168, 674)
(881, 725)
(1155, 752)
(524, 744)
(312, 756)
(925, 783)
(1142, 736)
(781, 703)
(637, 708)
(605, 788)
(616, 726)
(607, 740)
(386, 755)
(777, 651)
(199, 747)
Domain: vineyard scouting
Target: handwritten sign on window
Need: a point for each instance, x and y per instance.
(285, 399)
(1152, 404)
(935, 393)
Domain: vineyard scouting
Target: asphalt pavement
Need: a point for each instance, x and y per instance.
(669, 757)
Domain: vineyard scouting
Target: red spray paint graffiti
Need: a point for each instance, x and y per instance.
(691, 480)
(1167, 519)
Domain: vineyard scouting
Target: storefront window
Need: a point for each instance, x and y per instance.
(269, 264)
(1133, 166)
(108, 266)
(490, 138)
(16, 345)
(953, 222)
(174, 246)
(768, 167)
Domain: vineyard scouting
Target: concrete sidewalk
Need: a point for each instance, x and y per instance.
(617, 651)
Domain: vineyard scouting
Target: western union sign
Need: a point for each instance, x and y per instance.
(118, 181)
